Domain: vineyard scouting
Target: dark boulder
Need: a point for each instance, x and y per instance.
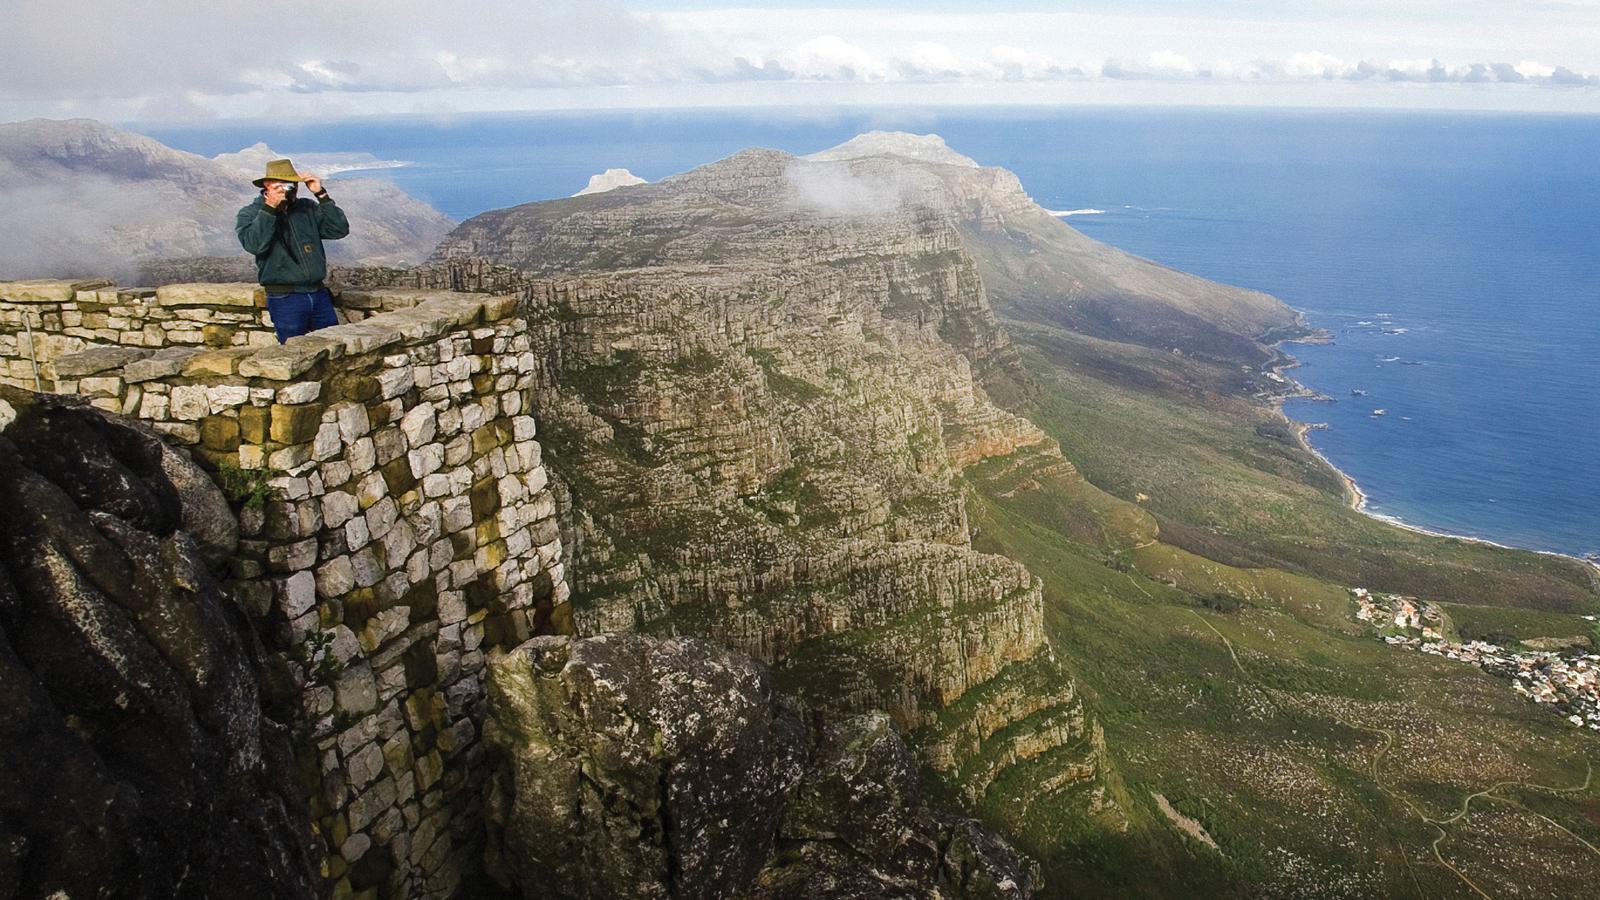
(855, 827)
(633, 766)
(134, 758)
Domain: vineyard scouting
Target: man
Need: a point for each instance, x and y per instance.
(286, 233)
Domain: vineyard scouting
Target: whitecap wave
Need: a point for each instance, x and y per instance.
(1063, 213)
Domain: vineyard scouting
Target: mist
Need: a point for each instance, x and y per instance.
(839, 189)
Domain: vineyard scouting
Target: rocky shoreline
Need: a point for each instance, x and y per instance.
(1354, 496)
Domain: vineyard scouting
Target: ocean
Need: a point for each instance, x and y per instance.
(1454, 257)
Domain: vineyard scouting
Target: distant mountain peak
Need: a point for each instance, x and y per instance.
(94, 197)
(920, 147)
(610, 179)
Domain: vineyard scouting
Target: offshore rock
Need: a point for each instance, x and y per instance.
(646, 767)
(134, 757)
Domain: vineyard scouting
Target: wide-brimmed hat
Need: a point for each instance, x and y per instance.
(279, 170)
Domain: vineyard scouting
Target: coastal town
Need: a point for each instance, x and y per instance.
(1567, 682)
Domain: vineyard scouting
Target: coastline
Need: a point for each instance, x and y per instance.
(1356, 498)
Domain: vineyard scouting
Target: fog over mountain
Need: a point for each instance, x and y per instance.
(84, 196)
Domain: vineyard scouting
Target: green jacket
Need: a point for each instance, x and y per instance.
(287, 242)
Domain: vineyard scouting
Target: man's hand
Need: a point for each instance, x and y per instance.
(274, 193)
(313, 182)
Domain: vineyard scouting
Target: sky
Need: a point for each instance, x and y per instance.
(190, 60)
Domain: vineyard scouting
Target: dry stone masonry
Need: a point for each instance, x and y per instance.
(43, 320)
(395, 522)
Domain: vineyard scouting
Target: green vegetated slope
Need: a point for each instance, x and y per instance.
(1232, 680)
(780, 431)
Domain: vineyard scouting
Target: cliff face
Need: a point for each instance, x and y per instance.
(135, 758)
(763, 383)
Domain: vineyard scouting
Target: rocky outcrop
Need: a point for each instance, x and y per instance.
(135, 759)
(642, 767)
(609, 180)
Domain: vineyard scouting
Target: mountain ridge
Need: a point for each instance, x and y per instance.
(97, 197)
(773, 304)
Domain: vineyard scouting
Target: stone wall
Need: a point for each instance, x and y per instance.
(43, 320)
(396, 523)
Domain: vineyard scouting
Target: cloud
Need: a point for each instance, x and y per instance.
(833, 189)
(832, 58)
(175, 59)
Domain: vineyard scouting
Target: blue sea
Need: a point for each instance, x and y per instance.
(1454, 257)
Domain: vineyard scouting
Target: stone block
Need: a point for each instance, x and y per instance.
(361, 337)
(219, 433)
(212, 363)
(353, 422)
(48, 290)
(495, 308)
(295, 424)
(303, 392)
(178, 431)
(293, 557)
(387, 624)
(394, 381)
(335, 578)
(101, 387)
(397, 755)
(226, 294)
(326, 445)
(371, 804)
(253, 424)
(364, 765)
(338, 507)
(227, 396)
(419, 424)
(426, 460)
(95, 360)
(361, 456)
(299, 593)
(420, 324)
(283, 362)
(463, 308)
(366, 565)
(379, 299)
(291, 457)
(354, 847)
(370, 489)
(389, 444)
(189, 403)
(216, 335)
(357, 690)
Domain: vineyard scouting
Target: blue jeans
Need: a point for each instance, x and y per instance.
(296, 314)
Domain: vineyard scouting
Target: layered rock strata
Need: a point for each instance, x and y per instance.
(135, 758)
(773, 371)
(645, 767)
